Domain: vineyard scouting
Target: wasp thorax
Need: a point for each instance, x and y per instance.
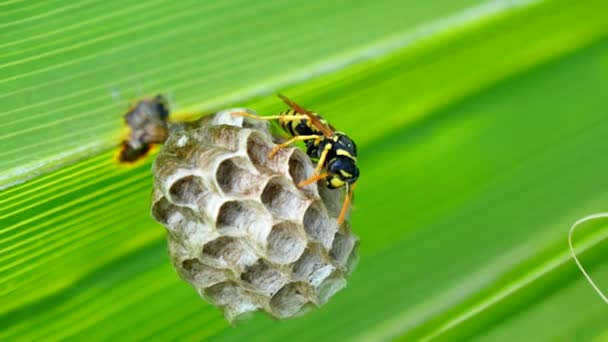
(239, 228)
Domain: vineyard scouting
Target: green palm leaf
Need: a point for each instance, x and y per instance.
(481, 128)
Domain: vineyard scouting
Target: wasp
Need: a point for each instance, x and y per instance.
(147, 121)
(334, 152)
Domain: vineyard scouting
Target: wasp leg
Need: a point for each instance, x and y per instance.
(287, 118)
(313, 179)
(281, 118)
(322, 158)
(290, 141)
(256, 117)
(346, 204)
(316, 174)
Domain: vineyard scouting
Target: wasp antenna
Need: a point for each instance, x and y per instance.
(313, 119)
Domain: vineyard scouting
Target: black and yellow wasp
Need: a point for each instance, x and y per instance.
(334, 152)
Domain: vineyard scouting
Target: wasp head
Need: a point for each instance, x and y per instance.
(342, 170)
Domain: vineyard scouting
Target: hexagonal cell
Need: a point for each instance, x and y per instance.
(333, 199)
(180, 222)
(285, 243)
(235, 180)
(290, 300)
(166, 166)
(207, 160)
(177, 250)
(244, 218)
(282, 202)
(187, 190)
(342, 247)
(300, 169)
(183, 141)
(312, 268)
(162, 210)
(318, 226)
(235, 300)
(264, 278)
(225, 136)
(353, 259)
(330, 287)
(184, 147)
(202, 275)
(227, 251)
(188, 225)
(257, 150)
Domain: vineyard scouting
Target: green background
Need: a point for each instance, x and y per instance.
(481, 128)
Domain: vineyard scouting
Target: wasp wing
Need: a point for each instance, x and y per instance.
(327, 131)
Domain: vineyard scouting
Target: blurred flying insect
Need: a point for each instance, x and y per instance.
(147, 122)
(334, 152)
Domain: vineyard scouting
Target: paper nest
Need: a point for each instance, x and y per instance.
(239, 229)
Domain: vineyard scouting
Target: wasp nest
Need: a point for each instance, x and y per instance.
(240, 230)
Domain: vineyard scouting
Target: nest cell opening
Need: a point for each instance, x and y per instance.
(227, 251)
(333, 199)
(352, 260)
(225, 136)
(297, 168)
(330, 287)
(234, 299)
(201, 274)
(236, 180)
(289, 300)
(285, 245)
(244, 218)
(341, 248)
(162, 210)
(257, 150)
(312, 268)
(187, 190)
(264, 278)
(300, 170)
(318, 226)
(282, 202)
(175, 220)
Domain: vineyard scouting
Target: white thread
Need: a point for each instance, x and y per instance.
(578, 263)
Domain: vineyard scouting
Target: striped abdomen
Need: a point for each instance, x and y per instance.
(300, 127)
